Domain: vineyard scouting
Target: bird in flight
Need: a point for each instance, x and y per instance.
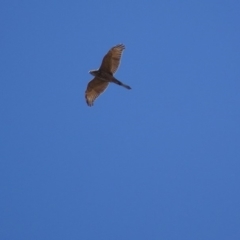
(104, 75)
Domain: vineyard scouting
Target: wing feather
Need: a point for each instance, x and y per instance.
(111, 60)
(94, 88)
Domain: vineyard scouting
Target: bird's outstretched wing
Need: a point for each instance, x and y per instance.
(94, 89)
(111, 60)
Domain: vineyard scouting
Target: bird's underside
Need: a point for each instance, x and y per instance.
(104, 75)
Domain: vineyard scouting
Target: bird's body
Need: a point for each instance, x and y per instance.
(104, 75)
(108, 77)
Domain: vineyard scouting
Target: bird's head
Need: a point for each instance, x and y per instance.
(93, 72)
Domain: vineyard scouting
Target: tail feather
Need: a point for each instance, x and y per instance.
(121, 84)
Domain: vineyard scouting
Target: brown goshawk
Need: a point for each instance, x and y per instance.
(104, 75)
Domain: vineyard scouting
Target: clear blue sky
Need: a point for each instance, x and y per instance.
(161, 161)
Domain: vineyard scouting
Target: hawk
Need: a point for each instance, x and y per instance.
(104, 75)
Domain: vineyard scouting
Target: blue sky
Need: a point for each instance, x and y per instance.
(160, 161)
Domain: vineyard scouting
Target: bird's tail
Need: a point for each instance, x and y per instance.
(121, 84)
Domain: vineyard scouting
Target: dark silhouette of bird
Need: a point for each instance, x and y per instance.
(104, 75)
